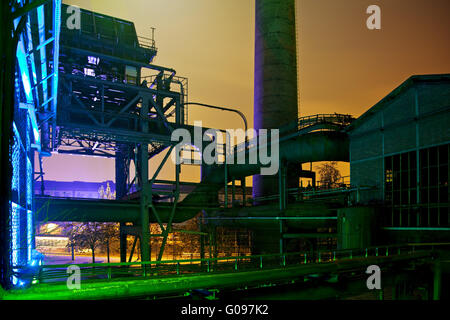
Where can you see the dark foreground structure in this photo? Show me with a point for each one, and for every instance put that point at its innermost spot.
(108, 99)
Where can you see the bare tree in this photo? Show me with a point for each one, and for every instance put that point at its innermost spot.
(85, 235)
(188, 241)
(108, 233)
(329, 174)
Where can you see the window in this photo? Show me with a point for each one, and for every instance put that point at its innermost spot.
(89, 72)
(422, 203)
(130, 75)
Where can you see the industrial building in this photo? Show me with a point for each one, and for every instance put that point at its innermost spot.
(107, 99)
(399, 147)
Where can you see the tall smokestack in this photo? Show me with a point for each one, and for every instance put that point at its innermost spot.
(275, 88)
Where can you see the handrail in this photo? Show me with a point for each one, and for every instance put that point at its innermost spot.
(95, 271)
(337, 119)
(340, 120)
(146, 42)
(117, 264)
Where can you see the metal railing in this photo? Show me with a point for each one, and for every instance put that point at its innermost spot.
(338, 120)
(108, 271)
(146, 43)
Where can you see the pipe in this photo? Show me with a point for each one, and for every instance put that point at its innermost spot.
(315, 146)
(220, 108)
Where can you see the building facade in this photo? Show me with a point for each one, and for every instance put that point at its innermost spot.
(399, 152)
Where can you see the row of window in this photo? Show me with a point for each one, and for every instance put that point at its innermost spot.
(416, 188)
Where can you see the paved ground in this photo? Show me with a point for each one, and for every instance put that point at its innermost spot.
(87, 258)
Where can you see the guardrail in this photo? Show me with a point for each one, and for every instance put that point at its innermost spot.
(146, 43)
(338, 120)
(108, 271)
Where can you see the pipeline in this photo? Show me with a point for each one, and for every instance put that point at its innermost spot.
(313, 146)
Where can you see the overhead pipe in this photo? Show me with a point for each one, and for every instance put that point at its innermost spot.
(315, 146)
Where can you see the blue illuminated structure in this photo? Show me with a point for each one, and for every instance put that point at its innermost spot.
(35, 98)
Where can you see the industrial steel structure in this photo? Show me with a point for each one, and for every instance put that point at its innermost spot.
(95, 91)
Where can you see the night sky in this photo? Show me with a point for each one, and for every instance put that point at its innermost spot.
(342, 66)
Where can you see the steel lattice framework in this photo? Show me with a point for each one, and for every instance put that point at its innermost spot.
(30, 41)
(114, 103)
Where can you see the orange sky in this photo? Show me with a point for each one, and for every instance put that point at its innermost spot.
(343, 66)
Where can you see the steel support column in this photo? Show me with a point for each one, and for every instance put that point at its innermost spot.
(233, 191)
(282, 202)
(8, 45)
(123, 243)
(437, 279)
(244, 192)
(121, 190)
(202, 237)
(225, 190)
(146, 192)
(282, 194)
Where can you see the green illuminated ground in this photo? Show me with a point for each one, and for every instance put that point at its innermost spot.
(178, 285)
